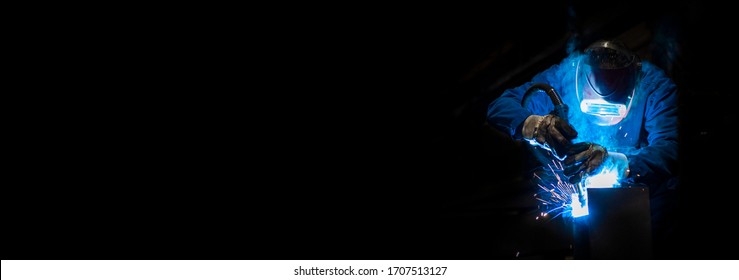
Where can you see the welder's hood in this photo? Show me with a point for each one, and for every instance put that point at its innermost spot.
(608, 74)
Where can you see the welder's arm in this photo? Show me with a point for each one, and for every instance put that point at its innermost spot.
(657, 162)
(507, 114)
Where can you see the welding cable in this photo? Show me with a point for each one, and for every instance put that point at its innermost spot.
(560, 109)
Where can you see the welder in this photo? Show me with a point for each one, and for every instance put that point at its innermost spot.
(622, 115)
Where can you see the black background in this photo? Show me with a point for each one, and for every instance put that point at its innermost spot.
(331, 132)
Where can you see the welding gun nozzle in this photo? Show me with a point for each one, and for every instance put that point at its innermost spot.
(580, 191)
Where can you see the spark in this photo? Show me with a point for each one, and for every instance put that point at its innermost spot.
(546, 147)
(558, 197)
(556, 194)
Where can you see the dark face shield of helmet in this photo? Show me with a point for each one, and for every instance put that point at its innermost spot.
(608, 75)
(612, 74)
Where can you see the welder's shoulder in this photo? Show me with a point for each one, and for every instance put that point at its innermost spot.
(650, 69)
(655, 80)
(652, 73)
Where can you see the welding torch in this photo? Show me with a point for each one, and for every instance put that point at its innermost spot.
(560, 110)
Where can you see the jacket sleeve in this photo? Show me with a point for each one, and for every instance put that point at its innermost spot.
(655, 163)
(507, 114)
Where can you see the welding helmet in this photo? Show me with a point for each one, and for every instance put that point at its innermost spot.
(607, 78)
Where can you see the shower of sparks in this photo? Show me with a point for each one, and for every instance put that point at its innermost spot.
(557, 195)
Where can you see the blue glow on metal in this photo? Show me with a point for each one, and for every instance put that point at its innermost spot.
(559, 197)
(578, 210)
(607, 178)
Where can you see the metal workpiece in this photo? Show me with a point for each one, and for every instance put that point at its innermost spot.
(618, 225)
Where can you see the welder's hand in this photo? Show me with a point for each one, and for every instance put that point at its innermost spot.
(550, 130)
(584, 158)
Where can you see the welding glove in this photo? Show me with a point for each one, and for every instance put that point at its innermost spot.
(584, 159)
(590, 159)
(549, 130)
(619, 163)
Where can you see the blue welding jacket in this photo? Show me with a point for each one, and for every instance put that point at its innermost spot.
(648, 134)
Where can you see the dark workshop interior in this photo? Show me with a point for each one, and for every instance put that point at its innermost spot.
(360, 133)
